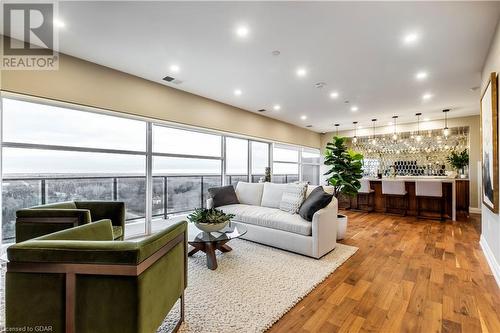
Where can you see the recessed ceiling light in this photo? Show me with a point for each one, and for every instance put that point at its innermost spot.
(422, 75)
(303, 117)
(237, 92)
(354, 108)
(59, 24)
(334, 94)
(242, 31)
(360, 127)
(175, 68)
(427, 96)
(301, 72)
(411, 38)
(277, 107)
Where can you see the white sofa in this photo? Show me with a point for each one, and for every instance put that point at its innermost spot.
(259, 211)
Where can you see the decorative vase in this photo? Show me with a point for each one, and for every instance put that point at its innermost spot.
(211, 227)
(341, 226)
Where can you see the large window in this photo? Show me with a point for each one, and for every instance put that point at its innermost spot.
(310, 160)
(285, 164)
(53, 153)
(185, 164)
(260, 160)
(236, 160)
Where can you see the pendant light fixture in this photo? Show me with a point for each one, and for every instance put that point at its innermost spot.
(355, 138)
(337, 129)
(374, 141)
(418, 138)
(446, 130)
(395, 132)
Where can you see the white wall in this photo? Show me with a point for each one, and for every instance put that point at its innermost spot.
(490, 237)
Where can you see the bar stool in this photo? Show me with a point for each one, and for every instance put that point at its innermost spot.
(395, 189)
(430, 190)
(366, 197)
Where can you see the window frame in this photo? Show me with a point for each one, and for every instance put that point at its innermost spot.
(148, 153)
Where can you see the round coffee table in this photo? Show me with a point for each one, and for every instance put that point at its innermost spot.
(208, 242)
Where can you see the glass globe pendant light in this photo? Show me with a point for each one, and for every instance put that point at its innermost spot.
(446, 130)
(355, 138)
(418, 138)
(395, 132)
(374, 140)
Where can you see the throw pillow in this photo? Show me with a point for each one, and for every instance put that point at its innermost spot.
(271, 197)
(224, 195)
(292, 198)
(317, 200)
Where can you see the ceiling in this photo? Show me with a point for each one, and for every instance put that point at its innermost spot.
(355, 48)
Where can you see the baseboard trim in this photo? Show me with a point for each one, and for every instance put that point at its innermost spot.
(492, 262)
(474, 210)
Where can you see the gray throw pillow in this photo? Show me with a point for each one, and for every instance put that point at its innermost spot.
(317, 200)
(224, 195)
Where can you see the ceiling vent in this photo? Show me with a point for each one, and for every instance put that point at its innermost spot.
(309, 126)
(172, 80)
(262, 110)
(320, 85)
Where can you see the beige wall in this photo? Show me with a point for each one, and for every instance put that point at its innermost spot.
(474, 137)
(490, 222)
(81, 82)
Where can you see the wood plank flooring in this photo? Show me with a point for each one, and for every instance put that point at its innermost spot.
(408, 276)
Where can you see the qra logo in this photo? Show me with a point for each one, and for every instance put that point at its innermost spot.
(29, 40)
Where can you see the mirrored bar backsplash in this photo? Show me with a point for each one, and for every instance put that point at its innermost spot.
(414, 153)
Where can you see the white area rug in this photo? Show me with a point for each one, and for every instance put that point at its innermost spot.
(252, 288)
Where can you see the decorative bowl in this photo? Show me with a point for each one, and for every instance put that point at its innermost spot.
(210, 227)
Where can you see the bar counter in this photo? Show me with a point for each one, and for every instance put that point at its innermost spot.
(455, 192)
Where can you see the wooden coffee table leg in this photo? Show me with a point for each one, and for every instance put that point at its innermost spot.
(197, 247)
(224, 248)
(211, 259)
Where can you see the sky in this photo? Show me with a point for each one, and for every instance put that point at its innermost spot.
(25, 122)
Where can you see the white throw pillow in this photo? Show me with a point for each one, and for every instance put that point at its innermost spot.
(293, 197)
(327, 188)
(271, 197)
(249, 193)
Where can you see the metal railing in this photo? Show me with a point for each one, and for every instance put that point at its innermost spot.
(110, 187)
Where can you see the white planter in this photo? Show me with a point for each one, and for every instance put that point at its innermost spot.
(208, 227)
(341, 226)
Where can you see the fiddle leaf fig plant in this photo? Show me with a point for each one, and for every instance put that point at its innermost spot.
(345, 167)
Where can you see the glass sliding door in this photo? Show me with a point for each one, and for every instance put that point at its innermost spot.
(185, 165)
(260, 160)
(236, 160)
(310, 161)
(285, 164)
(53, 154)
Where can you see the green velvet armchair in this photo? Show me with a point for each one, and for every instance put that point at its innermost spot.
(81, 281)
(42, 220)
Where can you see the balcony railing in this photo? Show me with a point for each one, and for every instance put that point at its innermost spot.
(172, 194)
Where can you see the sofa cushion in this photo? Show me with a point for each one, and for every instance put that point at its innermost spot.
(317, 200)
(270, 218)
(272, 194)
(249, 193)
(293, 197)
(223, 195)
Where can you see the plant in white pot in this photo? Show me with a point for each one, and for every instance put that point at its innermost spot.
(344, 174)
(209, 220)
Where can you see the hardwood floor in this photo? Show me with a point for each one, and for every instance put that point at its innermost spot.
(408, 276)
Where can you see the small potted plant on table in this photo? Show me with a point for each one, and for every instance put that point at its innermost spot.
(344, 174)
(209, 220)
